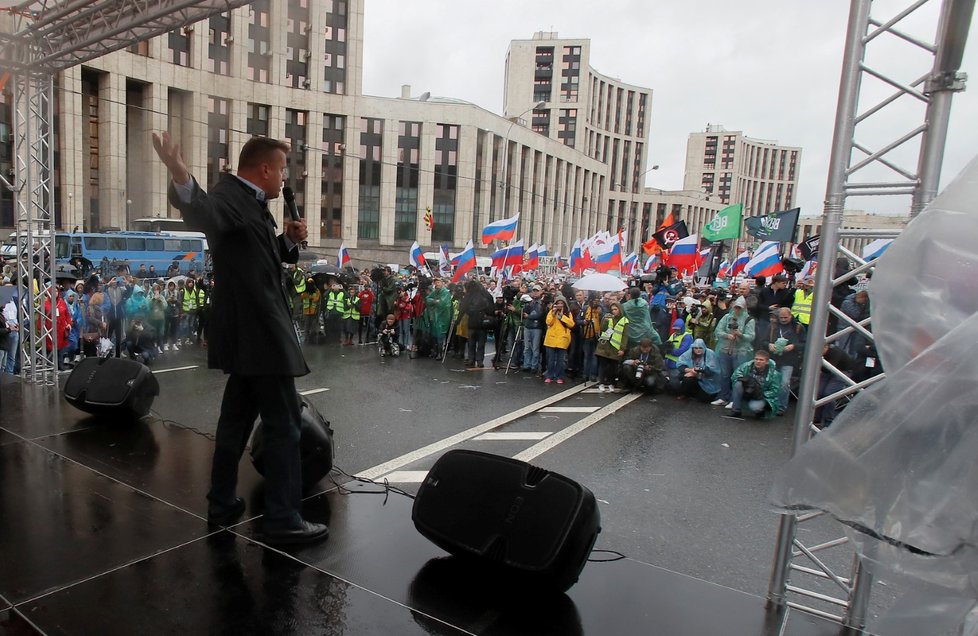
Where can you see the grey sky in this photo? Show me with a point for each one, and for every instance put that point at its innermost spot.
(770, 68)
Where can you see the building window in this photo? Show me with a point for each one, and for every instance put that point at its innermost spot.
(567, 126)
(334, 47)
(540, 121)
(218, 135)
(178, 42)
(570, 71)
(446, 177)
(331, 177)
(140, 48)
(7, 145)
(296, 135)
(297, 44)
(406, 191)
(368, 214)
(259, 42)
(218, 44)
(257, 125)
(642, 99)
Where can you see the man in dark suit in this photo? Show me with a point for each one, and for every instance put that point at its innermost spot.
(250, 333)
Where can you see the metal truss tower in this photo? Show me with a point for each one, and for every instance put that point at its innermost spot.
(48, 36)
(848, 177)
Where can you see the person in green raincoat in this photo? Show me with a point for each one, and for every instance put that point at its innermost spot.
(439, 311)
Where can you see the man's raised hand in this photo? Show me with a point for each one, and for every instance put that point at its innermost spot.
(169, 153)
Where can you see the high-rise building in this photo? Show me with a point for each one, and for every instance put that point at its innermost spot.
(551, 81)
(737, 169)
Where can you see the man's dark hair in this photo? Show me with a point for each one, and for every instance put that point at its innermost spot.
(634, 293)
(259, 150)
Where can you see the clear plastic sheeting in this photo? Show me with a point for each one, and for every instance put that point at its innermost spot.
(899, 466)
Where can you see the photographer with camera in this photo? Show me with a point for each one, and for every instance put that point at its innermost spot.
(698, 373)
(643, 368)
(140, 342)
(735, 341)
(680, 340)
(756, 386)
(785, 341)
(534, 313)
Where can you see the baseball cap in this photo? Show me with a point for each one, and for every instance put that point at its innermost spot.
(536, 288)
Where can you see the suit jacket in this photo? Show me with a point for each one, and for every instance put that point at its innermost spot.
(249, 325)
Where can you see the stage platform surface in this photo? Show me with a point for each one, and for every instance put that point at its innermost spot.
(103, 531)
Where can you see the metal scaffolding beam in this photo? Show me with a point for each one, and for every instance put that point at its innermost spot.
(49, 36)
(936, 90)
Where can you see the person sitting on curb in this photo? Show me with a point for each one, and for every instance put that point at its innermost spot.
(756, 386)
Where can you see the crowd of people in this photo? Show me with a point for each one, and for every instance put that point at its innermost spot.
(738, 348)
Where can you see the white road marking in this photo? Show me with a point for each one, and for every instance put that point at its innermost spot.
(193, 366)
(494, 437)
(448, 442)
(313, 391)
(407, 476)
(570, 409)
(561, 436)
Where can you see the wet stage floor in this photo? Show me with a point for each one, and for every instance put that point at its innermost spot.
(103, 531)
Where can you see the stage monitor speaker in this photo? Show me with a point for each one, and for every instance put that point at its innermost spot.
(534, 527)
(112, 387)
(315, 445)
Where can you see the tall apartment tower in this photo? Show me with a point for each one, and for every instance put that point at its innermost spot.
(598, 115)
(760, 174)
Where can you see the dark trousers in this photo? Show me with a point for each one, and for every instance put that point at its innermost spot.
(690, 387)
(274, 399)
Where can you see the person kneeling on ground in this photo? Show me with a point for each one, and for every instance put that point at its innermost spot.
(643, 368)
(698, 374)
(388, 341)
(140, 342)
(756, 386)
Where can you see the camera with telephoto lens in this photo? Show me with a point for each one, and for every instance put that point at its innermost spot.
(695, 311)
(733, 325)
(639, 372)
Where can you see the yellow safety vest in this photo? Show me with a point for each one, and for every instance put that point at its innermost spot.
(190, 299)
(350, 309)
(299, 281)
(674, 341)
(615, 333)
(802, 307)
(334, 302)
(310, 303)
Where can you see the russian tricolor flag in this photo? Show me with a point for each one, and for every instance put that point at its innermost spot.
(343, 257)
(685, 254)
(499, 257)
(466, 261)
(724, 269)
(630, 263)
(502, 230)
(514, 254)
(609, 256)
(444, 262)
(766, 260)
(575, 256)
(651, 263)
(740, 263)
(532, 258)
(542, 251)
(417, 256)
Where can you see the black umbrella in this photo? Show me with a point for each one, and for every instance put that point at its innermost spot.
(325, 268)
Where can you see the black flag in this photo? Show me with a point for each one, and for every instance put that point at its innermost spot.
(779, 226)
(669, 235)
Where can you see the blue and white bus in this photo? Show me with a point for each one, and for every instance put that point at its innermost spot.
(187, 249)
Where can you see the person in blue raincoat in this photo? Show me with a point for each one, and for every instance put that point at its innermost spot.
(698, 374)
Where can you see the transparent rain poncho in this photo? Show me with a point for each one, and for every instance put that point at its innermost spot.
(899, 466)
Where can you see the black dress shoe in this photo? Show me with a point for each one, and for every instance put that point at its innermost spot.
(226, 516)
(308, 532)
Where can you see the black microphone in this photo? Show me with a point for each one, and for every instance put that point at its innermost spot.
(289, 197)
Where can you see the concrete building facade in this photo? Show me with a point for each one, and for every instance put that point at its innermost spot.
(762, 175)
(365, 169)
(809, 226)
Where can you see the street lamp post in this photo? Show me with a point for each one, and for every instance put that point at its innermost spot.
(504, 182)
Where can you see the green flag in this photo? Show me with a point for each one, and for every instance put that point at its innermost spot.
(725, 225)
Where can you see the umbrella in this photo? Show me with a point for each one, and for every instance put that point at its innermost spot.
(600, 282)
(325, 268)
(176, 279)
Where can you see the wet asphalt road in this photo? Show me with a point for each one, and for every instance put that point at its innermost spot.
(679, 486)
